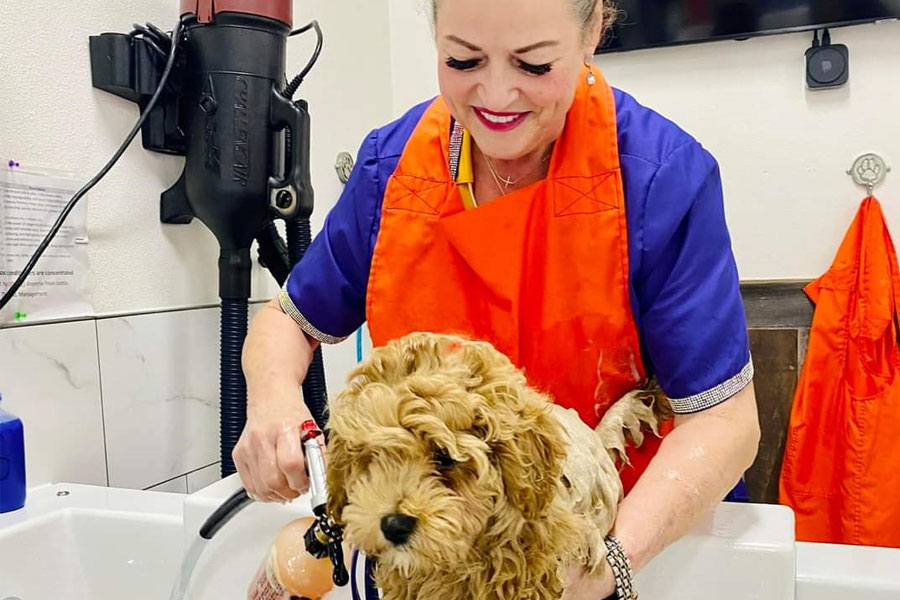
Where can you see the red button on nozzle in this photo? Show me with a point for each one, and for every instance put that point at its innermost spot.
(309, 429)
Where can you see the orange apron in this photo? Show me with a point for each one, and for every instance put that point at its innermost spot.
(841, 471)
(541, 273)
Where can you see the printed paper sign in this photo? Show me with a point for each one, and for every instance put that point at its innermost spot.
(30, 202)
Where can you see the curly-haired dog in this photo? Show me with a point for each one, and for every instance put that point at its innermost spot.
(466, 484)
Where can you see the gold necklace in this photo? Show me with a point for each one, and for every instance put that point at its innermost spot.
(508, 182)
(496, 177)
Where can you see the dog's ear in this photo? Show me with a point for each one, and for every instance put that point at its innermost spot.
(531, 460)
(338, 462)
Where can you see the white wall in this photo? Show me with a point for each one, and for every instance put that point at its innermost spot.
(784, 151)
(413, 58)
(133, 401)
(51, 116)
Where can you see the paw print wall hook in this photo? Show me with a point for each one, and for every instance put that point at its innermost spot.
(869, 170)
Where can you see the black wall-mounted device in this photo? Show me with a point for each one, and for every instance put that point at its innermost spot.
(827, 64)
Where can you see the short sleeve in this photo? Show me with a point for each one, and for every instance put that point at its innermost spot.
(326, 291)
(692, 319)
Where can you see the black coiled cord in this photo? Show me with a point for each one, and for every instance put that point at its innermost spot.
(232, 386)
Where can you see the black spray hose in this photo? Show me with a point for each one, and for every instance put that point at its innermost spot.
(233, 387)
(299, 237)
(315, 393)
(216, 521)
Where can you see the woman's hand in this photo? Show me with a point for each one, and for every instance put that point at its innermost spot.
(583, 586)
(269, 454)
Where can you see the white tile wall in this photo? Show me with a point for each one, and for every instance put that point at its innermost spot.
(176, 486)
(201, 478)
(160, 394)
(139, 394)
(49, 378)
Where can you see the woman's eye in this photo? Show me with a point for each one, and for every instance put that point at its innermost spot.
(443, 459)
(535, 69)
(463, 65)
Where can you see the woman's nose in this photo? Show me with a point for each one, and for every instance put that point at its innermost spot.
(497, 89)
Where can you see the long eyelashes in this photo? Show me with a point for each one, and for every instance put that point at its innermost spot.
(535, 69)
(468, 65)
(462, 65)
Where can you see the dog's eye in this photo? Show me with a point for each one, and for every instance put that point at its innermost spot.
(443, 459)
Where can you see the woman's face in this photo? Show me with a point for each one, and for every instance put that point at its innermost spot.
(508, 69)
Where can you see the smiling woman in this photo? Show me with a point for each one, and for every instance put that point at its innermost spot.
(508, 72)
(535, 207)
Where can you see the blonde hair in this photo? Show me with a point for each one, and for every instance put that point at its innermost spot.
(584, 9)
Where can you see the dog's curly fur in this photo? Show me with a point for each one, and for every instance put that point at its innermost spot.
(509, 491)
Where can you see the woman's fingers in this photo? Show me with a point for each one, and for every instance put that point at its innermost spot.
(289, 452)
(269, 454)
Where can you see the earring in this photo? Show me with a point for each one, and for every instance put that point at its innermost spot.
(591, 80)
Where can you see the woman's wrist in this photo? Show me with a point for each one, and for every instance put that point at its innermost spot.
(620, 565)
(275, 396)
(629, 539)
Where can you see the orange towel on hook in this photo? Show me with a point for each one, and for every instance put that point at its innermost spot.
(841, 471)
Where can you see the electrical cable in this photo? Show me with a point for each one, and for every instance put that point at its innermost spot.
(292, 87)
(151, 37)
(173, 47)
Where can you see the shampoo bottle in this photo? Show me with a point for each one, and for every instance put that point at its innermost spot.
(12, 462)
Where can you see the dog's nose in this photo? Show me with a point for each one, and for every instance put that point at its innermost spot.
(397, 528)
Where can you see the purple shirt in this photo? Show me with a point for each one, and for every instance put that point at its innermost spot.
(683, 279)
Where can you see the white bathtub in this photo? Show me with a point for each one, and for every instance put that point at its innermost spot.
(833, 572)
(74, 542)
(107, 544)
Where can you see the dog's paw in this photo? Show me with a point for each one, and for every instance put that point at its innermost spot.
(629, 415)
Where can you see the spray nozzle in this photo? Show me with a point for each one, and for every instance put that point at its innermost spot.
(324, 537)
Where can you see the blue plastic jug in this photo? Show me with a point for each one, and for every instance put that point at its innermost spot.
(12, 462)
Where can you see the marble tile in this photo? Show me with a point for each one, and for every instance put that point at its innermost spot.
(49, 378)
(201, 478)
(179, 485)
(160, 384)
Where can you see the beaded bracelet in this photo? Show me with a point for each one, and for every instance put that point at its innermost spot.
(621, 568)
